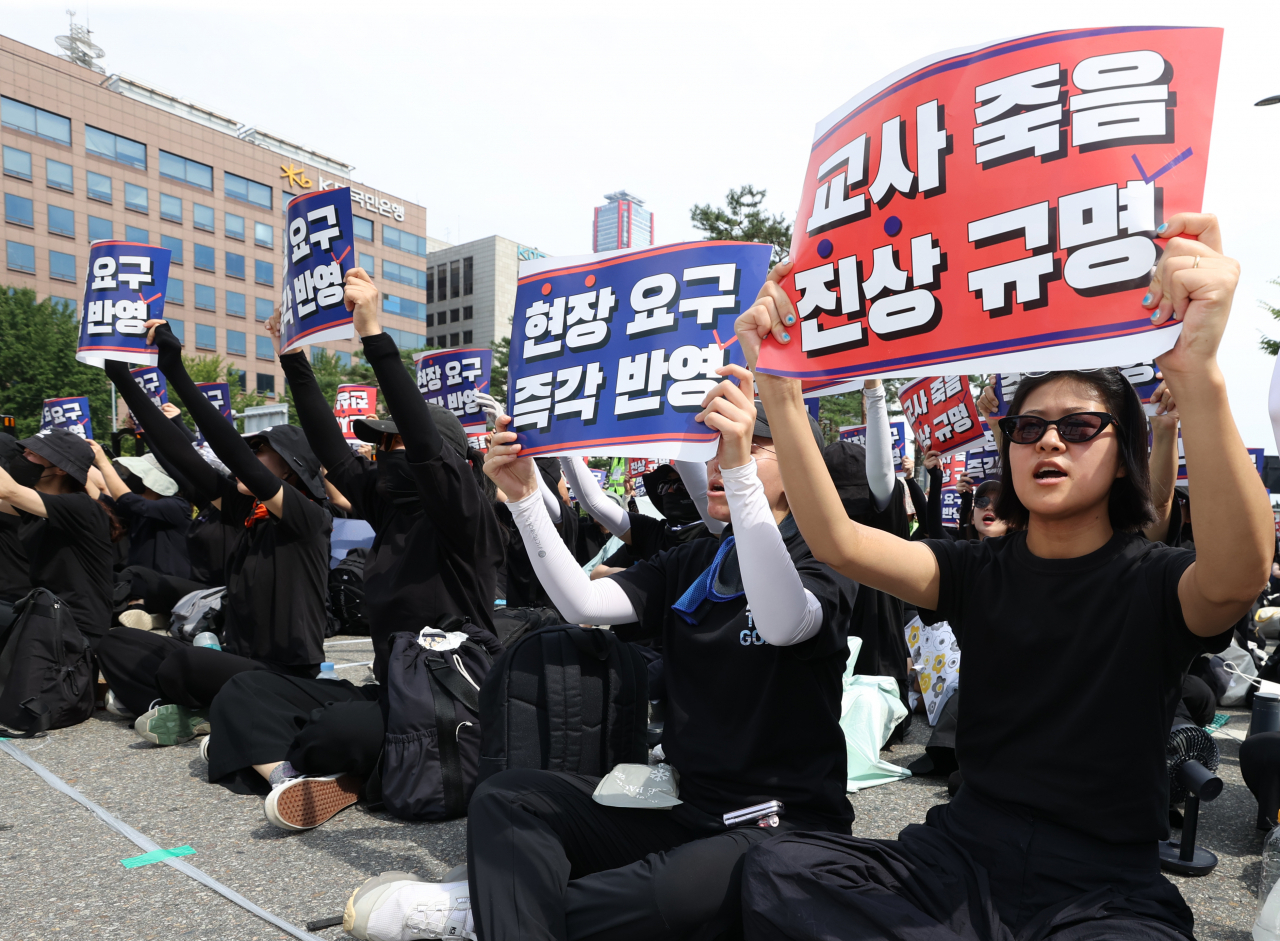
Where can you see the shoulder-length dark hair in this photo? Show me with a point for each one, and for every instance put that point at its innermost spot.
(1129, 506)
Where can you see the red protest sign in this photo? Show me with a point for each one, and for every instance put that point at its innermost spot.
(941, 413)
(996, 208)
(352, 402)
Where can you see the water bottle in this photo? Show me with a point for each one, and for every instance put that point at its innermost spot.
(1266, 927)
(326, 672)
(207, 639)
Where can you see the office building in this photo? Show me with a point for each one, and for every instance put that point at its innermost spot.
(471, 291)
(622, 222)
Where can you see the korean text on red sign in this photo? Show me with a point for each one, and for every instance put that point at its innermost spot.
(351, 402)
(996, 207)
(317, 254)
(124, 288)
(941, 413)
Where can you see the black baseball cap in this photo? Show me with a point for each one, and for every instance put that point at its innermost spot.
(63, 449)
(372, 429)
(762, 429)
(290, 443)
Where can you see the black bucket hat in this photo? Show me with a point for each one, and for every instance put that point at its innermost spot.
(372, 429)
(291, 444)
(847, 464)
(63, 449)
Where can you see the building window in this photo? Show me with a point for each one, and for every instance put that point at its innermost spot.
(67, 304)
(431, 285)
(442, 282)
(62, 221)
(206, 297)
(19, 210)
(58, 175)
(247, 191)
(466, 277)
(406, 340)
(174, 246)
(177, 327)
(455, 279)
(170, 208)
(453, 315)
(404, 307)
(134, 234)
(17, 163)
(264, 272)
(136, 198)
(240, 375)
(405, 241)
(263, 308)
(113, 147)
(174, 294)
(264, 348)
(37, 121)
(206, 337)
(62, 266)
(264, 235)
(367, 263)
(202, 217)
(466, 336)
(453, 339)
(99, 186)
(235, 265)
(468, 313)
(100, 229)
(363, 227)
(235, 304)
(266, 381)
(403, 274)
(203, 255)
(235, 342)
(178, 168)
(20, 257)
(431, 320)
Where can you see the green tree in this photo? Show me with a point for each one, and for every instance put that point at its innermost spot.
(743, 220)
(1269, 346)
(38, 361)
(498, 374)
(216, 369)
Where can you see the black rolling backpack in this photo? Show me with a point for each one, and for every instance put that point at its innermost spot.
(564, 698)
(46, 668)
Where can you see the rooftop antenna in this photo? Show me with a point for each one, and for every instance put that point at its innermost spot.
(80, 49)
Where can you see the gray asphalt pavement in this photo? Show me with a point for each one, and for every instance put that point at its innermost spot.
(62, 878)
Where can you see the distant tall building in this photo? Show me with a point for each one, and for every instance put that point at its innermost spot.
(622, 222)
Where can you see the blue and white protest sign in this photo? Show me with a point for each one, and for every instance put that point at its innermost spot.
(70, 414)
(982, 460)
(317, 255)
(151, 381)
(1142, 376)
(451, 379)
(219, 395)
(125, 288)
(898, 429)
(611, 354)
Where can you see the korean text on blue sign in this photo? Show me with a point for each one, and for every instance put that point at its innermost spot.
(151, 381)
(1142, 376)
(612, 354)
(319, 242)
(125, 288)
(898, 429)
(982, 460)
(451, 379)
(219, 395)
(70, 414)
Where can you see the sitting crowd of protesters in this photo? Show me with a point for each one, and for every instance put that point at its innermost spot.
(742, 582)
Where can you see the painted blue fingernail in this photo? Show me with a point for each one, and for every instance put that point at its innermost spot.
(1161, 227)
(786, 338)
(1155, 316)
(1147, 299)
(790, 319)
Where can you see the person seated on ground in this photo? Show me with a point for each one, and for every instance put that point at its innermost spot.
(1055, 828)
(15, 569)
(308, 743)
(277, 574)
(754, 641)
(65, 533)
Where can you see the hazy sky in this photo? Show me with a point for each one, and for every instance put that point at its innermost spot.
(515, 119)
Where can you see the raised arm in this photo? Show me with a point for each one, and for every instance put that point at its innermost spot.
(1163, 461)
(587, 489)
(116, 487)
(1235, 532)
(875, 412)
(694, 476)
(314, 414)
(907, 570)
(933, 508)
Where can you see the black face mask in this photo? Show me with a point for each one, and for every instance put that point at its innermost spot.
(678, 507)
(395, 482)
(26, 473)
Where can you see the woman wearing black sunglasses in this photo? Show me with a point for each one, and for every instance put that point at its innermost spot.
(1055, 829)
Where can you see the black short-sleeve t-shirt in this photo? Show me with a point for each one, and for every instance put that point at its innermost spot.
(70, 553)
(748, 722)
(649, 536)
(1054, 651)
(15, 570)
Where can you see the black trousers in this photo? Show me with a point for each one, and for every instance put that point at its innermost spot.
(1260, 767)
(318, 726)
(141, 667)
(159, 592)
(972, 871)
(545, 861)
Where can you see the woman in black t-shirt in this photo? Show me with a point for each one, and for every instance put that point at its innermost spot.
(1056, 824)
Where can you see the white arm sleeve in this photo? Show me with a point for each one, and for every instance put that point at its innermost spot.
(587, 490)
(1273, 402)
(550, 499)
(694, 476)
(879, 446)
(579, 599)
(784, 611)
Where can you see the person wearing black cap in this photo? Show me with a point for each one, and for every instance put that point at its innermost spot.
(277, 575)
(754, 638)
(435, 553)
(15, 570)
(65, 533)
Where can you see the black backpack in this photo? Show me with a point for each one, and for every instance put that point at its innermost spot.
(346, 594)
(432, 745)
(564, 698)
(510, 624)
(46, 668)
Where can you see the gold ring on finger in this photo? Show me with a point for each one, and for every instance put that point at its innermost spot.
(1196, 263)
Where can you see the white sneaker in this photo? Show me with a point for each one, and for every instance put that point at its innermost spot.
(397, 906)
(204, 748)
(116, 707)
(305, 802)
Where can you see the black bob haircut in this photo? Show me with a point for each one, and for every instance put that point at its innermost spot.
(1129, 506)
